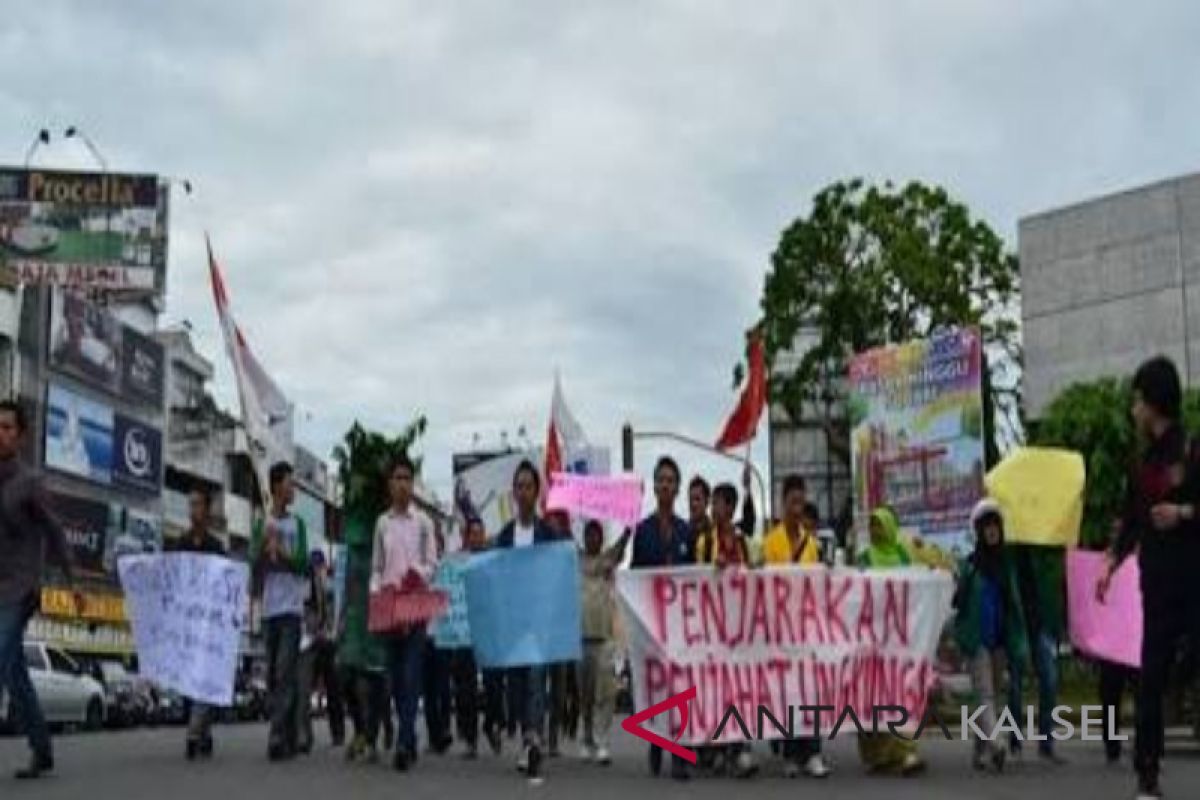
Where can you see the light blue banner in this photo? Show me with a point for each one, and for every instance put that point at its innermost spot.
(523, 606)
(453, 630)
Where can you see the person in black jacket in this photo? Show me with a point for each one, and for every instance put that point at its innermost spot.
(529, 682)
(1160, 521)
(199, 539)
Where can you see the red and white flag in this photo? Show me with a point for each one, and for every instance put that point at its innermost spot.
(564, 439)
(266, 412)
(742, 423)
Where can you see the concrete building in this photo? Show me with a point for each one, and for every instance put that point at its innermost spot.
(1107, 283)
(801, 447)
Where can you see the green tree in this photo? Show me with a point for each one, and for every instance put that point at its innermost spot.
(872, 265)
(363, 458)
(1093, 419)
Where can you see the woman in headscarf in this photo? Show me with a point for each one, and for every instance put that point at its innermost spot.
(882, 752)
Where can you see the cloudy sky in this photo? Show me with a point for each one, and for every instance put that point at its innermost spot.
(429, 206)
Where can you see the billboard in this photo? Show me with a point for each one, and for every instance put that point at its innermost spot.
(89, 343)
(142, 368)
(79, 435)
(86, 524)
(84, 229)
(916, 412)
(137, 456)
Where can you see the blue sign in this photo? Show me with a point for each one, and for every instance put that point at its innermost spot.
(452, 631)
(138, 457)
(524, 606)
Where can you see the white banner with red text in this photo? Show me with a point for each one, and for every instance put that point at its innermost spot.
(782, 641)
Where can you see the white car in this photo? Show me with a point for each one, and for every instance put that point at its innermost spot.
(67, 695)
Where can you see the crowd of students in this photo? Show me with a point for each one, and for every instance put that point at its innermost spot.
(1009, 611)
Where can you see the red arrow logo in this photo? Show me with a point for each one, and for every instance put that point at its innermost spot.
(634, 724)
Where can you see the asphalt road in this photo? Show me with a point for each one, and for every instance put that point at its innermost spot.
(150, 764)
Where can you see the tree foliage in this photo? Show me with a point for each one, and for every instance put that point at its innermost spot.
(363, 459)
(1093, 419)
(872, 265)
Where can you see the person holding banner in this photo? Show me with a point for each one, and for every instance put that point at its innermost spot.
(464, 673)
(663, 540)
(1160, 522)
(279, 553)
(405, 555)
(990, 624)
(596, 679)
(883, 752)
(793, 542)
(317, 657)
(529, 682)
(199, 539)
(28, 533)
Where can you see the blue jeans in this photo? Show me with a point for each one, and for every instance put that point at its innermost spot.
(1043, 648)
(14, 674)
(406, 654)
(530, 688)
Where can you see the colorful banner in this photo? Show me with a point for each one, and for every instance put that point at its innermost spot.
(188, 612)
(96, 607)
(782, 638)
(453, 630)
(1041, 492)
(1111, 630)
(79, 435)
(523, 606)
(916, 413)
(616, 499)
(84, 229)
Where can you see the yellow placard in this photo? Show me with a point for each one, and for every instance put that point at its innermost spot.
(1041, 493)
(96, 607)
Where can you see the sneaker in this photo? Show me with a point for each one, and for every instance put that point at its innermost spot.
(911, 765)
(603, 757)
(1148, 786)
(816, 767)
(791, 770)
(535, 766)
(586, 753)
(400, 761)
(523, 760)
(980, 762)
(38, 766)
(746, 766)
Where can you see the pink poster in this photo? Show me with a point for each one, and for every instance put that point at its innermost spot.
(1112, 630)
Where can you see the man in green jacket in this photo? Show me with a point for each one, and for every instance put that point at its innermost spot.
(279, 552)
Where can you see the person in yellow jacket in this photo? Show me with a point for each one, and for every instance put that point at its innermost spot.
(793, 542)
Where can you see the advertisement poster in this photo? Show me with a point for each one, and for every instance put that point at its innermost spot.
(85, 523)
(97, 230)
(137, 460)
(85, 340)
(142, 368)
(916, 413)
(79, 435)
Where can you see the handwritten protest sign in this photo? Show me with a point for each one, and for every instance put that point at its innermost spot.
(1041, 491)
(523, 606)
(453, 629)
(782, 638)
(1111, 630)
(188, 612)
(617, 498)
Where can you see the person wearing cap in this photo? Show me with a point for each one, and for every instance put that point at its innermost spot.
(318, 657)
(990, 625)
(1159, 521)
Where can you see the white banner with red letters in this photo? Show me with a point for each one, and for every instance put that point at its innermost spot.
(779, 640)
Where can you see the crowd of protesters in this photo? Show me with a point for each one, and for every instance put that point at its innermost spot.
(1009, 620)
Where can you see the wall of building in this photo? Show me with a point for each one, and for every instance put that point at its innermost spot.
(1107, 283)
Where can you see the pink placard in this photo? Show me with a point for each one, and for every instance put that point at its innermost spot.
(1112, 630)
(617, 498)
